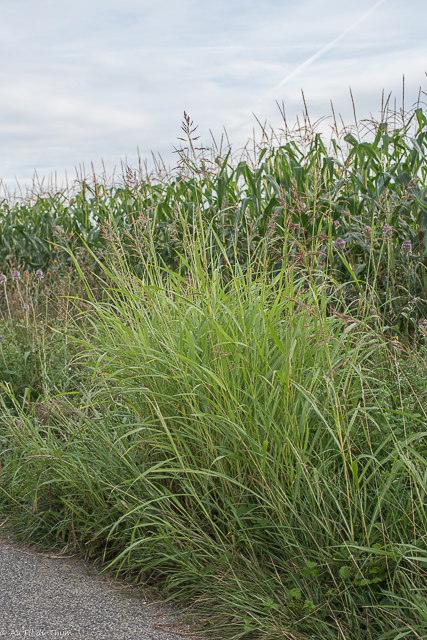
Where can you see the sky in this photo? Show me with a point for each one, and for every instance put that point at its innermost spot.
(94, 81)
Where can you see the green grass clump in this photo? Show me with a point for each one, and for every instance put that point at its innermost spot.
(239, 443)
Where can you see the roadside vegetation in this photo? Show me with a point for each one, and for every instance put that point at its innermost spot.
(214, 382)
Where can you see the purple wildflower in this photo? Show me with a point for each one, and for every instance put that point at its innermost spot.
(25, 306)
(16, 275)
(340, 243)
(423, 322)
(3, 278)
(1, 337)
(39, 274)
(387, 231)
(407, 247)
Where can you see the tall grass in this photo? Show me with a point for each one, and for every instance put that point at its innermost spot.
(242, 444)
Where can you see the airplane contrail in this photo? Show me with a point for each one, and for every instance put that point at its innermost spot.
(323, 50)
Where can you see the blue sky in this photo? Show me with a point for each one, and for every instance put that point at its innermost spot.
(93, 80)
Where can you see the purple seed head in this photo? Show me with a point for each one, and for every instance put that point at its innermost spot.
(407, 247)
(387, 231)
(16, 275)
(340, 244)
(3, 278)
(39, 274)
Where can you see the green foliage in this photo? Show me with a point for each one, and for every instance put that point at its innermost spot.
(36, 314)
(240, 446)
(237, 429)
(353, 210)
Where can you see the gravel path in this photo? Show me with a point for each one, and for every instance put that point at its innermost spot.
(46, 596)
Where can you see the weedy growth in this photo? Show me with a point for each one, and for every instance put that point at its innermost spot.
(244, 435)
